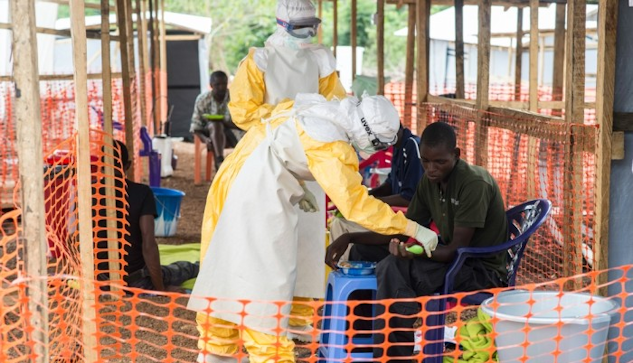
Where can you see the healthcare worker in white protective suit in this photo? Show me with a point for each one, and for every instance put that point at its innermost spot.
(289, 64)
(253, 256)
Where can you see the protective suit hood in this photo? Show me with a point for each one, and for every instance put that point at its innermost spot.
(370, 122)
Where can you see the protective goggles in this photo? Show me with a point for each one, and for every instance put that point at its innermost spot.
(377, 144)
(301, 28)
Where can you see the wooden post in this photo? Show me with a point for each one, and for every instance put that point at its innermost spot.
(532, 151)
(607, 28)
(353, 37)
(460, 91)
(127, 69)
(320, 14)
(483, 78)
(380, 45)
(574, 113)
(141, 32)
(163, 66)
(541, 59)
(29, 145)
(534, 46)
(518, 62)
(334, 26)
(409, 69)
(423, 15)
(559, 54)
(84, 187)
(153, 35)
(106, 76)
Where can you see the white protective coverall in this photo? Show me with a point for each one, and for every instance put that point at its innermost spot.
(253, 256)
(285, 66)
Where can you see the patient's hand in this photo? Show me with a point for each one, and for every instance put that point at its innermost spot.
(335, 250)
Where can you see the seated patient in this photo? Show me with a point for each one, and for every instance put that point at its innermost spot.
(466, 204)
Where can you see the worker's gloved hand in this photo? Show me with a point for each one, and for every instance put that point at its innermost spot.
(427, 238)
(308, 203)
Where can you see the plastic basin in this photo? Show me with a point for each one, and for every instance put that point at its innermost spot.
(168, 210)
(550, 326)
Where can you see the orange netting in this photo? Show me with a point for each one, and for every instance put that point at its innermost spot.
(529, 157)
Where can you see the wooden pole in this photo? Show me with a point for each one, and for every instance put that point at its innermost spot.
(106, 72)
(320, 14)
(141, 33)
(353, 37)
(460, 91)
(84, 187)
(574, 113)
(518, 61)
(409, 69)
(380, 45)
(152, 62)
(607, 28)
(483, 77)
(127, 69)
(29, 147)
(423, 15)
(334, 26)
(541, 59)
(558, 77)
(534, 46)
(532, 162)
(156, 78)
(163, 65)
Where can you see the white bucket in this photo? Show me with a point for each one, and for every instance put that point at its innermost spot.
(550, 326)
(163, 145)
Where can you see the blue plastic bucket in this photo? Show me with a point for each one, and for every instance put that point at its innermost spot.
(168, 210)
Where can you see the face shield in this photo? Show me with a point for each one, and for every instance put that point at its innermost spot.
(301, 28)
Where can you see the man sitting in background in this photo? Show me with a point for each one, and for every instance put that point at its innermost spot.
(142, 260)
(211, 120)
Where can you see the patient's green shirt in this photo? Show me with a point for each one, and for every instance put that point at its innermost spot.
(472, 199)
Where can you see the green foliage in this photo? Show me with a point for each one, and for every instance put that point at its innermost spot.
(237, 26)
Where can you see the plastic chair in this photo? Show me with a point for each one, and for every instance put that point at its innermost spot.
(201, 147)
(334, 336)
(523, 221)
(369, 167)
(154, 158)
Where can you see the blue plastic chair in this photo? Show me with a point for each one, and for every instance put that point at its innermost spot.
(523, 221)
(154, 158)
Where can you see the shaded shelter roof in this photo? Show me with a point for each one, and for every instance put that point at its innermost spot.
(503, 23)
(190, 23)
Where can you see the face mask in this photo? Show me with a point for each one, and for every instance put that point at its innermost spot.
(364, 153)
(296, 43)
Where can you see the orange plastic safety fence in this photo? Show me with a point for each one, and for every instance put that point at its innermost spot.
(528, 158)
(534, 323)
